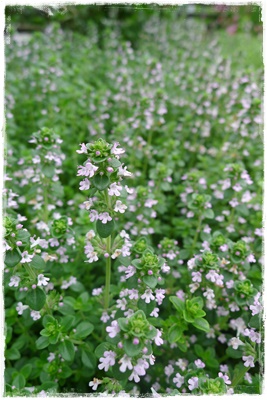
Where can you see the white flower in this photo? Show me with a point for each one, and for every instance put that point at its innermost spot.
(178, 380)
(20, 308)
(249, 361)
(34, 242)
(97, 291)
(165, 268)
(191, 263)
(123, 171)
(114, 189)
(235, 342)
(83, 149)
(105, 317)
(157, 339)
(116, 150)
(116, 254)
(35, 315)
(85, 184)
(90, 234)
(148, 296)
(93, 215)
(141, 366)
(134, 376)
(26, 257)
(14, 281)
(196, 276)
(113, 329)
(199, 364)
(94, 384)
(42, 280)
(155, 313)
(168, 370)
(88, 204)
(104, 217)
(51, 357)
(193, 383)
(160, 295)
(225, 378)
(108, 360)
(126, 363)
(87, 170)
(92, 256)
(119, 207)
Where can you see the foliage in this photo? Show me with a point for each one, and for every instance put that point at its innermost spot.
(133, 261)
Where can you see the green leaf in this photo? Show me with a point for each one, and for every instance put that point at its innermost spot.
(38, 263)
(255, 321)
(146, 307)
(67, 322)
(118, 375)
(12, 258)
(178, 303)
(184, 254)
(19, 381)
(239, 373)
(42, 342)
(101, 348)
(105, 230)
(12, 354)
(67, 350)
(150, 281)
(232, 353)
(89, 359)
(249, 389)
(36, 299)
(83, 330)
(131, 349)
(188, 317)
(23, 236)
(48, 385)
(208, 213)
(152, 332)
(201, 324)
(123, 324)
(101, 182)
(26, 370)
(48, 171)
(174, 333)
(48, 319)
(114, 163)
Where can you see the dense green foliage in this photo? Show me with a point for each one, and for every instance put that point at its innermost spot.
(189, 117)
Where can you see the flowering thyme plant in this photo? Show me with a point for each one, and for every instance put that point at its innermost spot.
(133, 264)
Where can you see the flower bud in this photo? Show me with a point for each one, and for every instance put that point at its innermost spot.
(34, 286)
(150, 272)
(136, 340)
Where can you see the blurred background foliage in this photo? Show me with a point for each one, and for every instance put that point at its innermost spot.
(237, 28)
(246, 18)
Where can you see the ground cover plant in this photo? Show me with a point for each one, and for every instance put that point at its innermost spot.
(133, 220)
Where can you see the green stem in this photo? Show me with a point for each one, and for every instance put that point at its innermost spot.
(108, 260)
(240, 375)
(45, 210)
(108, 274)
(197, 232)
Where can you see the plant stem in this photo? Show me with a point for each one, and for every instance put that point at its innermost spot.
(108, 260)
(240, 375)
(197, 232)
(108, 274)
(45, 210)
